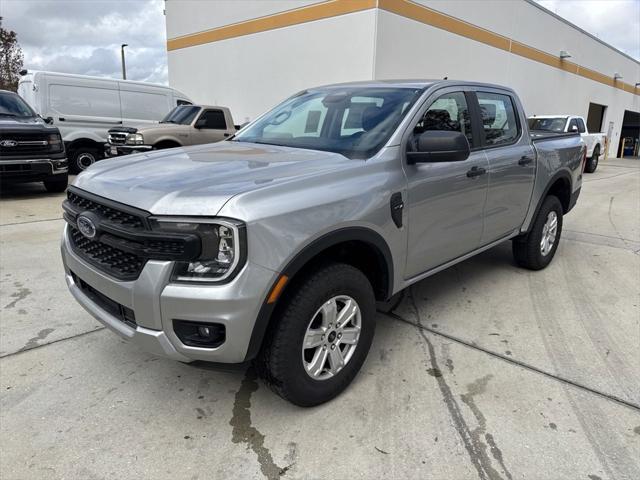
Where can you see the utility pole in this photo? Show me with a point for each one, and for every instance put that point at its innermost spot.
(124, 68)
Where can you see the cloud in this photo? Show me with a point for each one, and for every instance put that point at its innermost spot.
(616, 22)
(84, 37)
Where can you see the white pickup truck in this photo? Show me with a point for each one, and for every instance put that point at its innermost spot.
(595, 142)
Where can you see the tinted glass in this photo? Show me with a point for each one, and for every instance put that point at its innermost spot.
(11, 105)
(498, 118)
(181, 115)
(573, 125)
(449, 113)
(353, 121)
(581, 128)
(554, 124)
(212, 119)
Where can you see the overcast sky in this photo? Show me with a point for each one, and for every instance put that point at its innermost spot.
(84, 36)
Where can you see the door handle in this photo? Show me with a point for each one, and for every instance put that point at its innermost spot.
(524, 160)
(227, 135)
(62, 119)
(476, 172)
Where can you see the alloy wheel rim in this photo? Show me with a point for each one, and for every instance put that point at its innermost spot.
(85, 160)
(331, 337)
(549, 233)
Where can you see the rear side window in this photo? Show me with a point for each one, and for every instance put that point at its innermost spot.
(573, 125)
(183, 102)
(498, 118)
(212, 119)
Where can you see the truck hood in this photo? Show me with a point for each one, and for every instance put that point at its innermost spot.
(200, 180)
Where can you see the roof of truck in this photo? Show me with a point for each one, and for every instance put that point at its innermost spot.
(412, 83)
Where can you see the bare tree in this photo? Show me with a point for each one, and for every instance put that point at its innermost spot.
(11, 59)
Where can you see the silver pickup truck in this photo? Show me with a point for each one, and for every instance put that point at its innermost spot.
(275, 245)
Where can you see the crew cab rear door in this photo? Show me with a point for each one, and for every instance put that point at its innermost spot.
(511, 159)
(445, 199)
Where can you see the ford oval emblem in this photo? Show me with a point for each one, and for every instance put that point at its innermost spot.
(86, 226)
(8, 143)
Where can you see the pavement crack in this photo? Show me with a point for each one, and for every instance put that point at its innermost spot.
(513, 361)
(245, 432)
(28, 348)
(477, 454)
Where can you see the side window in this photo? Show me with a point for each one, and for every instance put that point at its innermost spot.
(212, 119)
(573, 125)
(449, 112)
(581, 128)
(498, 118)
(183, 102)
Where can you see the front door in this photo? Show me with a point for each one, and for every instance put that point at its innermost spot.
(446, 199)
(512, 165)
(210, 127)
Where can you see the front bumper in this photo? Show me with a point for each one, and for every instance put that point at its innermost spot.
(156, 302)
(17, 170)
(111, 150)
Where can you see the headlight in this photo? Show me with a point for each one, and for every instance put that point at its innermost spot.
(55, 142)
(134, 139)
(223, 248)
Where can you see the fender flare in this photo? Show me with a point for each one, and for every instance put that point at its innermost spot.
(563, 174)
(303, 257)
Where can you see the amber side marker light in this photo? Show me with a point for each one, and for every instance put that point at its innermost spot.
(277, 289)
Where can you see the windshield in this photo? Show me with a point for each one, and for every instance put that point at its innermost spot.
(182, 115)
(355, 122)
(555, 124)
(11, 105)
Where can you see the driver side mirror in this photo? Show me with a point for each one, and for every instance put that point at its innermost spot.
(440, 146)
(47, 120)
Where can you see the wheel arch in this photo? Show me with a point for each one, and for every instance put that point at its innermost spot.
(560, 186)
(358, 246)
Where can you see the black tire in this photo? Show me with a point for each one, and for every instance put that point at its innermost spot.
(57, 185)
(527, 249)
(592, 163)
(82, 157)
(280, 362)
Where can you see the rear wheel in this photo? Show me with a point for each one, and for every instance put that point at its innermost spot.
(322, 337)
(536, 249)
(57, 184)
(592, 163)
(82, 158)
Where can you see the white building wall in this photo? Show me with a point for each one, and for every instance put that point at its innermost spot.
(252, 72)
(543, 89)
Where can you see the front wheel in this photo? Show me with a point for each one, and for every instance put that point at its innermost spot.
(536, 249)
(323, 335)
(82, 158)
(592, 163)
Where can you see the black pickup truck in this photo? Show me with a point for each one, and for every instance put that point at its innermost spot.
(30, 150)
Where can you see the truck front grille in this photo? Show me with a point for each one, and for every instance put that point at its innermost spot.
(113, 215)
(117, 138)
(118, 263)
(24, 143)
(123, 240)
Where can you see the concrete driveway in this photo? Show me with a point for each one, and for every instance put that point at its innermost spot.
(484, 371)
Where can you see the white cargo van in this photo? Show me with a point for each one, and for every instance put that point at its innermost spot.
(84, 108)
